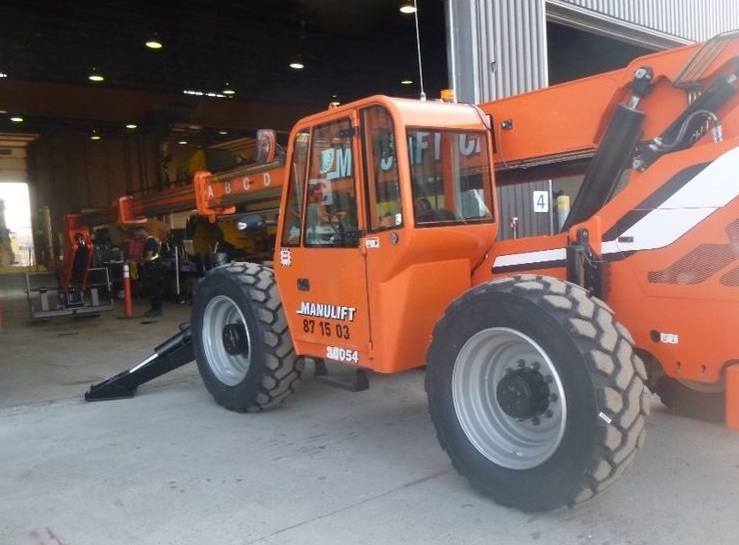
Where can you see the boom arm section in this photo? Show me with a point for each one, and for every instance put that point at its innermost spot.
(218, 194)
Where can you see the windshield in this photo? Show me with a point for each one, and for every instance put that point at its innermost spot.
(450, 176)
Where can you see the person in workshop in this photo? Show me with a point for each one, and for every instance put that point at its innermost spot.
(152, 270)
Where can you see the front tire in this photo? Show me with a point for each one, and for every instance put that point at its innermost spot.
(240, 338)
(535, 392)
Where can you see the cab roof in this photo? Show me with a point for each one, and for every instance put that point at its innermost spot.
(410, 112)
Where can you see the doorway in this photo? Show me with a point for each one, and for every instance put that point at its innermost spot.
(16, 233)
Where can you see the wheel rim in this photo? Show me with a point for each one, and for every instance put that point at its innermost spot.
(220, 314)
(514, 441)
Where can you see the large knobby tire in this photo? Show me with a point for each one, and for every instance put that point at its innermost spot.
(535, 392)
(240, 338)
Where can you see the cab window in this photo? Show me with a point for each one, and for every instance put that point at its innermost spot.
(331, 199)
(296, 187)
(450, 177)
(381, 170)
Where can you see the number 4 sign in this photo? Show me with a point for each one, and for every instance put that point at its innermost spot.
(541, 201)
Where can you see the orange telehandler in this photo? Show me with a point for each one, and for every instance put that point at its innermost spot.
(537, 350)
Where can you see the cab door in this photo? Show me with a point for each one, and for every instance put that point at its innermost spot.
(320, 264)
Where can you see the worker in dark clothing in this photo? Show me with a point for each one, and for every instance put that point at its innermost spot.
(152, 271)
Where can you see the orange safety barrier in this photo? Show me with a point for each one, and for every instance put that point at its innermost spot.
(127, 299)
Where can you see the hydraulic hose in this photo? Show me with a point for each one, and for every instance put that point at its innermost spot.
(718, 94)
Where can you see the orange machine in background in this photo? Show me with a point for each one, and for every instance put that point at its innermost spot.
(83, 285)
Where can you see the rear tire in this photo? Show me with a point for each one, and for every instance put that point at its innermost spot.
(692, 400)
(240, 338)
(535, 392)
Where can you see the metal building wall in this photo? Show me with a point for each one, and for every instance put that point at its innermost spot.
(497, 48)
(516, 202)
(686, 20)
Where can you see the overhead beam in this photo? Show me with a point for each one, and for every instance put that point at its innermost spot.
(111, 105)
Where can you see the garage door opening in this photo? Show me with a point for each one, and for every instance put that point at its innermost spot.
(16, 234)
(575, 53)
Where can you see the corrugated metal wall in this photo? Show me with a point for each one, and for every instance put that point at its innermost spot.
(517, 201)
(695, 20)
(73, 173)
(497, 48)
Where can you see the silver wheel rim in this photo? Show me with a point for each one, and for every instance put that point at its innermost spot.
(230, 369)
(507, 441)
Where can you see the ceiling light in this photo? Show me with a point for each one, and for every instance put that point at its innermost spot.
(213, 94)
(406, 81)
(131, 126)
(182, 142)
(3, 75)
(95, 137)
(154, 42)
(409, 6)
(296, 63)
(16, 119)
(95, 76)
(222, 132)
(228, 90)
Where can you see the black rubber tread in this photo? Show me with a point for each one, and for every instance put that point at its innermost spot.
(604, 381)
(275, 370)
(691, 403)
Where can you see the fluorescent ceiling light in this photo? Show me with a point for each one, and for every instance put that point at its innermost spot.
(16, 119)
(204, 93)
(95, 76)
(154, 43)
(408, 7)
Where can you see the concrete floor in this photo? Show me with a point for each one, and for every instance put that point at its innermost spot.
(171, 467)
